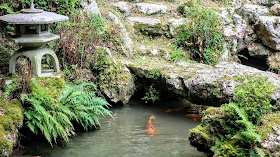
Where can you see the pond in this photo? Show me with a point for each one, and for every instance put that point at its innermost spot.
(125, 135)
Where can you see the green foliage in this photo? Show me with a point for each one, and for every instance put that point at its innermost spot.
(234, 125)
(252, 100)
(80, 37)
(177, 55)
(64, 7)
(155, 73)
(53, 118)
(86, 107)
(202, 36)
(46, 114)
(151, 95)
(6, 8)
(254, 95)
(244, 142)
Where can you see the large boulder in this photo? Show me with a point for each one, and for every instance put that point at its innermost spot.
(123, 7)
(114, 79)
(125, 40)
(257, 49)
(200, 83)
(275, 9)
(150, 9)
(252, 12)
(249, 37)
(268, 30)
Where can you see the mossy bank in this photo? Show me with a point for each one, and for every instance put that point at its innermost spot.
(11, 119)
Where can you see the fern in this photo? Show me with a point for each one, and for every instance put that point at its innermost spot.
(84, 104)
(249, 134)
(53, 118)
(46, 115)
(49, 120)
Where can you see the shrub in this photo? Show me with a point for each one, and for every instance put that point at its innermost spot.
(84, 104)
(202, 36)
(79, 38)
(64, 7)
(233, 126)
(46, 114)
(254, 95)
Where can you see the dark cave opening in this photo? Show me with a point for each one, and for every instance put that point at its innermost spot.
(258, 62)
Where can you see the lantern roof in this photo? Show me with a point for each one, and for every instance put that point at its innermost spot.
(32, 16)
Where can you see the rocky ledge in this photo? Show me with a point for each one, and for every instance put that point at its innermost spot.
(200, 83)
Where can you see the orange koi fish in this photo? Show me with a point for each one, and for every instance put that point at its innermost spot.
(150, 129)
(177, 109)
(195, 117)
(185, 108)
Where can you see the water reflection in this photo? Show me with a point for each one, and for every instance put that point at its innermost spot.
(124, 136)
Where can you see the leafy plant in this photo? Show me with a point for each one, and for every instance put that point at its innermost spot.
(64, 7)
(47, 115)
(254, 94)
(232, 129)
(80, 37)
(176, 55)
(151, 95)
(202, 36)
(84, 104)
(246, 137)
(53, 118)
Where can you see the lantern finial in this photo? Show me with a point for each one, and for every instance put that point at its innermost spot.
(32, 4)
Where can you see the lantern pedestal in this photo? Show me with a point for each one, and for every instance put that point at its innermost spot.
(35, 55)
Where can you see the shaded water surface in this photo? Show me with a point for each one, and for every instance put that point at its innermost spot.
(124, 136)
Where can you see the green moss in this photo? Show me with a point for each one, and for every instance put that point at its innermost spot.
(147, 29)
(52, 86)
(111, 74)
(230, 148)
(269, 121)
(11, 117)
(201, 138)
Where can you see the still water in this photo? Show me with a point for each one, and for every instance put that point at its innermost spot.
(124, 136)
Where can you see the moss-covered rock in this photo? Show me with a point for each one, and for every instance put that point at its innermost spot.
(147, 29)
(203, 136)
(270, 131)
(215, 125)
(11, 118)
(147, 26)
(52, 85)
(113, 77)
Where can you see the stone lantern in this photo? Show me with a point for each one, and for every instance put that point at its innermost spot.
(32, 32)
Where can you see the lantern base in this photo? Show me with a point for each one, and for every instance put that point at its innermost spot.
(35, 55)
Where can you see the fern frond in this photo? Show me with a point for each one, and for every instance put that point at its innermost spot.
(259, 151)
